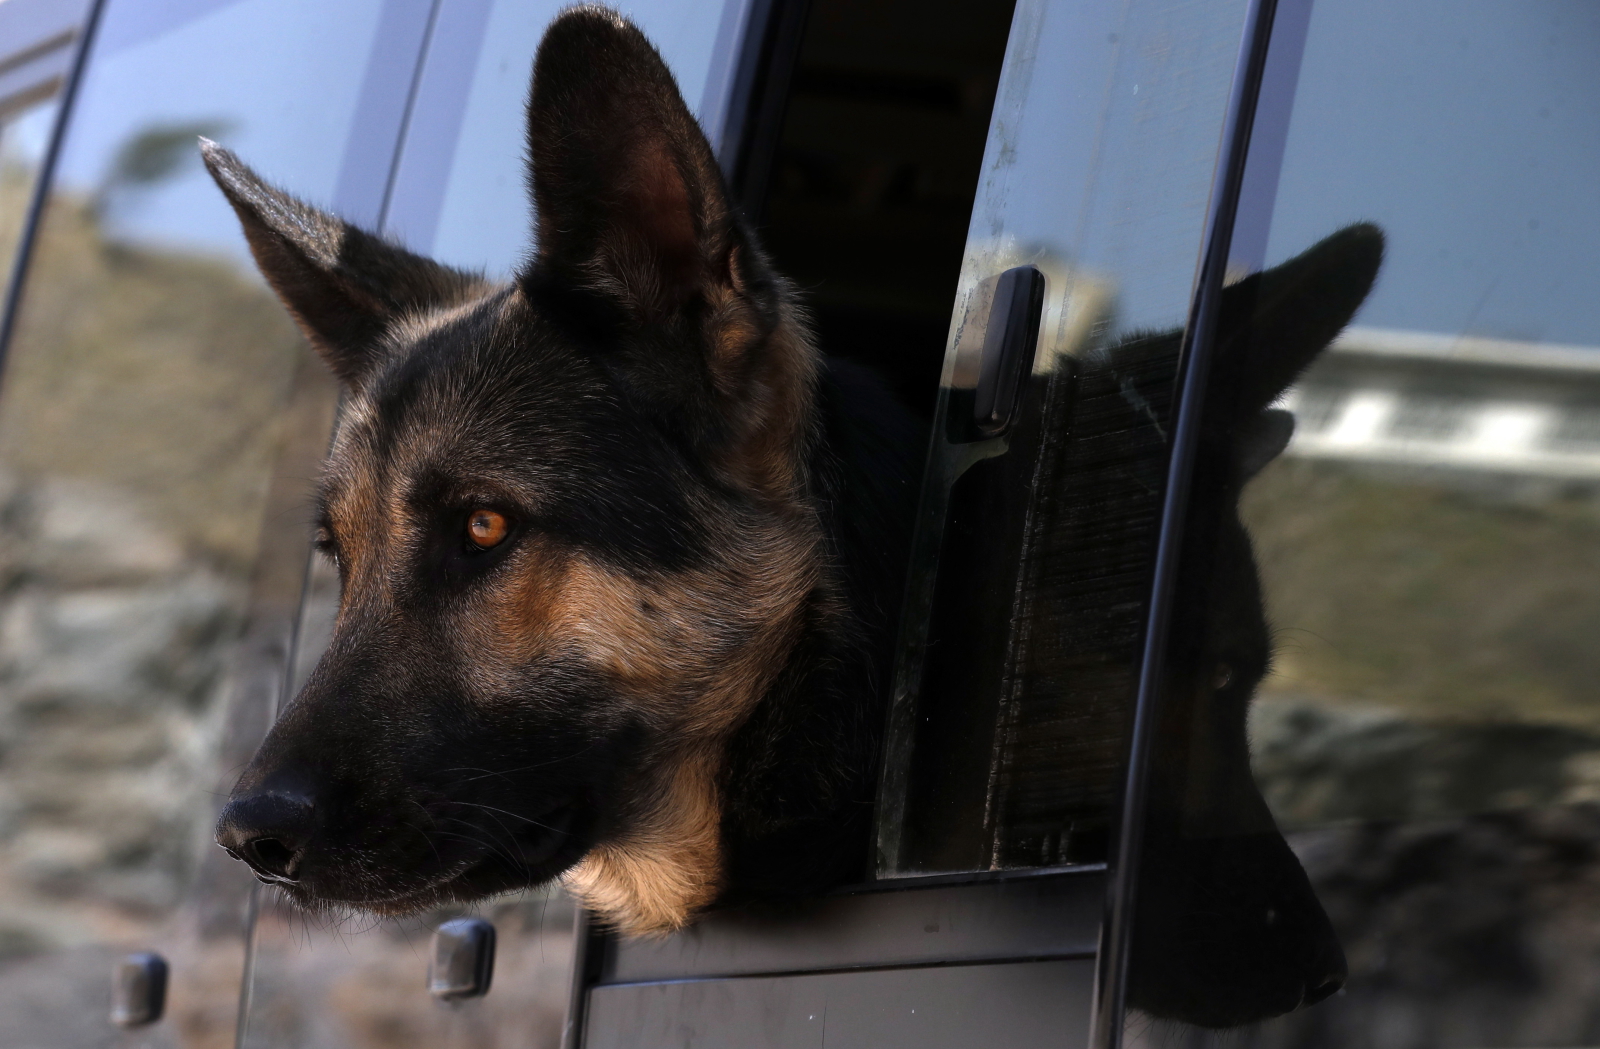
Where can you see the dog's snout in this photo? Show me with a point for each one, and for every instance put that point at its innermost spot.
(269, 832)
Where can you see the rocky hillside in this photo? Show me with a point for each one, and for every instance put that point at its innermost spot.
(1434, 634)
(142, 418)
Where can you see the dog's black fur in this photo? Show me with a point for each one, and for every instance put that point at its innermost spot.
(664, 684)
(1228, 929)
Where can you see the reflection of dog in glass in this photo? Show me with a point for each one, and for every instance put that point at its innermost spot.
(620, 551)
(1228, 929)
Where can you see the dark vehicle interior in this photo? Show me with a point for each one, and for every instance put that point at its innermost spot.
(861, 165)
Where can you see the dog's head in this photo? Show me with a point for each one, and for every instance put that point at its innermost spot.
(568, 514)
(1229, 929)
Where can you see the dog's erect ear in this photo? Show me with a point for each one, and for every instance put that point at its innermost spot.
(343, 285)
(631, 209)
(1274, 323)
(628, 197)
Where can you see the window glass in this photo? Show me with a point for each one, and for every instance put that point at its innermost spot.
(24, 136)
(1030, 567)
(1428, 542)
(159, 420)
(471, 210)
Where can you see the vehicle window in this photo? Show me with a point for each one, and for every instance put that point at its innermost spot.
(159, 419)
(1427, 731)
(460, 191)
(1030, 568)
(867, 197)
(24, 135)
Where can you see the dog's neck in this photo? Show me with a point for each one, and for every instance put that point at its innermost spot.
(805, 761)
(803, 748)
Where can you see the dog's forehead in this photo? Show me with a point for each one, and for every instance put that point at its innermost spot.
(483, 385)
(494, 401)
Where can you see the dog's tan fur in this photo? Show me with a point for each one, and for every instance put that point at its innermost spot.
(692, 652)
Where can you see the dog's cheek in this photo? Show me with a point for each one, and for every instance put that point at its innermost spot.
(548, 606)
(505, 624)
(682, 653)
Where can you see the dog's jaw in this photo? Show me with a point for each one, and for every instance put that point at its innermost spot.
(667, 866)
(666, 861)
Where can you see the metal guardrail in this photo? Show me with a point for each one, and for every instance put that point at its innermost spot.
(1429, 400)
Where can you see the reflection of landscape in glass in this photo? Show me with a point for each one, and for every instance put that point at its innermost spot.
(1430, 543)
(142, 419)
(361, 984)
(22, 141)
(146, 412)
(1430, 734)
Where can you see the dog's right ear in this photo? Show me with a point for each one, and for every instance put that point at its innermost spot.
(633, 217)
(343, 286)
(1275, 323)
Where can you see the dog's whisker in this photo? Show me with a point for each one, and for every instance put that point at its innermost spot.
(504, 812)
(425, 835)
(509, 854)
(490, 773)
(511, 859)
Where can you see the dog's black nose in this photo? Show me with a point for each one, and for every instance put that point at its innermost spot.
(269, 832)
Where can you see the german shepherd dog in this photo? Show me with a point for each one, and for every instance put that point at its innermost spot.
(620, 551)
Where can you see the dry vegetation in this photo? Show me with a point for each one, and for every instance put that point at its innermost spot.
(1429, 597)
(141, 418)
(159, 373)
(1435, 653)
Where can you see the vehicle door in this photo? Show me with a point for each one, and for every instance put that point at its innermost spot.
(1239, 692)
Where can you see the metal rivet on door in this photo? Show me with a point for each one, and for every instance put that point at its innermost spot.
(138, 990)
(462, 961)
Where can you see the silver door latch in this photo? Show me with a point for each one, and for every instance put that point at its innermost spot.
(138, 989)
(461, 963)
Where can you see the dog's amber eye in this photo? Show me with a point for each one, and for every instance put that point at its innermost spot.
(486, 528)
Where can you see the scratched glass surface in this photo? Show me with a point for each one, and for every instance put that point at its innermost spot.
(1009, 706)
(1428, 737)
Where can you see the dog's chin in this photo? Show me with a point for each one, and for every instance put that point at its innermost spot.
(491, 873)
